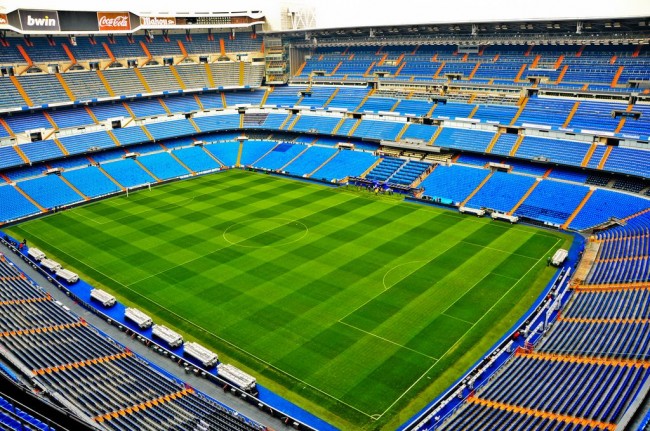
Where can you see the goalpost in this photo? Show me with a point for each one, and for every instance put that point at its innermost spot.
(136, 187)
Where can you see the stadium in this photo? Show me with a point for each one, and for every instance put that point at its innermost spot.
(272, 217)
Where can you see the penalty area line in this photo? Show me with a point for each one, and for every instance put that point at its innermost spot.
(471, 328)
(387, 340)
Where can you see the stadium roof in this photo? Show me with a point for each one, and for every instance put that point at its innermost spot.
(344, 13)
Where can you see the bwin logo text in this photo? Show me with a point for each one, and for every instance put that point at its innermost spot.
(41, 22)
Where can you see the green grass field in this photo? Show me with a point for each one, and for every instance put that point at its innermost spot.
(359, 308)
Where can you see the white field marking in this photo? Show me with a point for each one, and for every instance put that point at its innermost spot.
(229, 243)
(498, 249)
(456, 318)
(268, 364)
(387, 340)
(470, 289)
(383, 280)
(304, 234)
(385, 290)
(472, 327)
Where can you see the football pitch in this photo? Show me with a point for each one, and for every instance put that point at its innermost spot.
(359, 308)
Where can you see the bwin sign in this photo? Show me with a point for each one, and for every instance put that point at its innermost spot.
(35, 20)
(46, 21)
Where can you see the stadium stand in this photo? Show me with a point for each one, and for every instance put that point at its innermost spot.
(90, 181)
(50, 191)
(454, 183)
(15, 204)
(128, 173)
(196, 159)
(308, 161)
(16, 418)
(570, 123)
(345, 163)
(163, 166)
(552, 202)
(501, 192)
(585, 371)
(116, 389)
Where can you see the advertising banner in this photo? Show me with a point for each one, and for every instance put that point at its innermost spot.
(113, 21)
(154, 21)
(3, 19)
(39, 20)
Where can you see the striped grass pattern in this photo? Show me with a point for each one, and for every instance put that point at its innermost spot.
(346, 303)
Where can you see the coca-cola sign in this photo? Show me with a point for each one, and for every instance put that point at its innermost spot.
(154, 21)
(3, 19)
(113, 21)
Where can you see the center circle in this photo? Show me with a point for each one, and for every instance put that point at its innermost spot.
(265, 232)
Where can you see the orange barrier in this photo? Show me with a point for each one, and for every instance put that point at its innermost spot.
(21, 90)
(616, 76)
(578, 209)
(608, 150)
(19, 332)
(571, 114)
(142, 406)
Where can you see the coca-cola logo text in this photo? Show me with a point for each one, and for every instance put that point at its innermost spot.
(113, 21)
(120, 21)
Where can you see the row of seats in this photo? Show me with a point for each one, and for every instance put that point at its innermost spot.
(83, 86)
(572, 153)
(17, 419)
(545, 200)
(575, 153)
(84, 48)
(623, 253)
(492, 63)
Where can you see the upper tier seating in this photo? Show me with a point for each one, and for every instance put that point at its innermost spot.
(310, 123)
(11, 98)
(43, 89)
(498, 64)
(85, 86)
(170, 129)
(122, 47)
(376, 129)
(77, 144)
